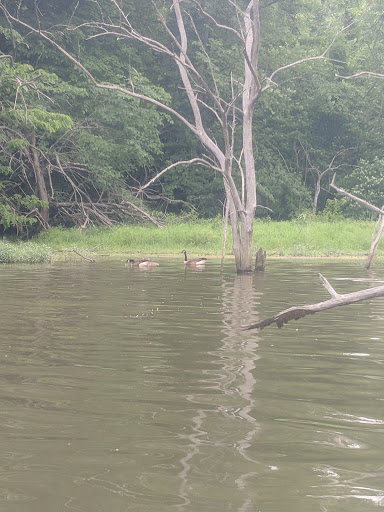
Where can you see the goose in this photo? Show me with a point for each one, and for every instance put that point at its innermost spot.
(143, 263)
(195, 262)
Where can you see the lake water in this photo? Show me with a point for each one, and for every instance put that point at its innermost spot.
(125, 390)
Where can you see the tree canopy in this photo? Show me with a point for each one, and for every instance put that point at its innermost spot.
(75, 155)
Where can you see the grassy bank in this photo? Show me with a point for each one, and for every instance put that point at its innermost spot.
(288, 239)
(205, 237)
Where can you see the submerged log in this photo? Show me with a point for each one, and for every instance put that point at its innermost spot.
(297, 312)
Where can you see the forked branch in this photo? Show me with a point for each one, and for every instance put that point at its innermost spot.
(270, 80)
(297, 312)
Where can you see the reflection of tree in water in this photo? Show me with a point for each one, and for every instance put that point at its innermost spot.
(223, 432)
(239, 303)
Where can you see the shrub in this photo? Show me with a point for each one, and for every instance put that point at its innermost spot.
(24, 252)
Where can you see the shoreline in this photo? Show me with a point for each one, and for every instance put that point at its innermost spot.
(344, 239)
(136, 256)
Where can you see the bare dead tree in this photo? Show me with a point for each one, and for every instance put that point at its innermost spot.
(320, 173)
(375, 237)
(297, 312)
(234, 115)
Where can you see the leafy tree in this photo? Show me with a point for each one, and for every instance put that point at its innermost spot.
(117, 144)
(74, 149)
(26, 123)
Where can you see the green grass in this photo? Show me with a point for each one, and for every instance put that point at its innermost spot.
(317, 238)
(287, 238)
(24, 252)
(204, 237)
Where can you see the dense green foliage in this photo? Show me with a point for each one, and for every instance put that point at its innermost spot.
(75, 155)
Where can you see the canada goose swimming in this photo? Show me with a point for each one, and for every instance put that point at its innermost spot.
(143, 263)
(195, 262)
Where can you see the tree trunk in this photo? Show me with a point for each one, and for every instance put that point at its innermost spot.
(375, 243)
(316, 198)
(247, 220)
(246, 246)
(251, 93)
(40, 185)
(225, 231)
(242, 238)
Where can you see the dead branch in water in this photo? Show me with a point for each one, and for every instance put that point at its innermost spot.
(297, 312)
(84, 257)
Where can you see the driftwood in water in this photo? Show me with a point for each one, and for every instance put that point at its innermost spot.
(296, 312)
(84, 257)
(260, 260)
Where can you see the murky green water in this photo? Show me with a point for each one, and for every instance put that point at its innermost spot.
(125, 390)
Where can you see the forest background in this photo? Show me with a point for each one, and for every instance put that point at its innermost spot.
(73, 155)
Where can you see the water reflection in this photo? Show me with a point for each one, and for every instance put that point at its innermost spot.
(241, 301)
(125, 390)
(235, 357)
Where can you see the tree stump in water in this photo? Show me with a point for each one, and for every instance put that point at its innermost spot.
(261, 257)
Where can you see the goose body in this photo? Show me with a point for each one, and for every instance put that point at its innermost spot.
(195, 262)
(143, 263)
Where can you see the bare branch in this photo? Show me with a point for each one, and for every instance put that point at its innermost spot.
(297, 312)
(370, 206)
(7, 57)
(361, 74)
(307, 59)
(357, 199)
(143, 212)
(219, 25)
(332, 292)
(211, 109)
(196, 130)
(84, 257)
(186, 68)
(217, 98)
(199, 161)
